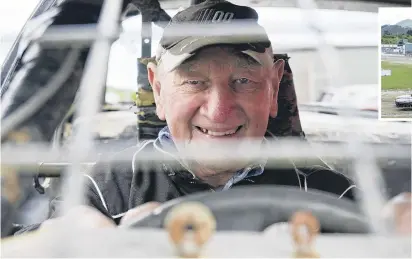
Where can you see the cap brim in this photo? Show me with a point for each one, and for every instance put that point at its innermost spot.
(175, 56)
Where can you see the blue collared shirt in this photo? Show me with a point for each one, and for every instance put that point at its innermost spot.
(165, 139)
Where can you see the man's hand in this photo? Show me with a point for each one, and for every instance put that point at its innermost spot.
(399, 208)
(139, 211)
(83, 216)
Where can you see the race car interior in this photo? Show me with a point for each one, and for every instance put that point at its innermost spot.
(47, 93)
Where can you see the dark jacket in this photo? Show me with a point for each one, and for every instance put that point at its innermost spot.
(114, 188)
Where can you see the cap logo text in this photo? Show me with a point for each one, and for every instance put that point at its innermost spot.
(221, 16)
(214, 16)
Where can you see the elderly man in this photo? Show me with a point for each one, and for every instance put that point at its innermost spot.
(208, 90)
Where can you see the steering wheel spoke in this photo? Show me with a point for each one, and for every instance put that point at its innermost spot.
(190, 225)
(304, 229)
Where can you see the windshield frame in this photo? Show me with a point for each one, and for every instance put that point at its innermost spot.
(10, 61)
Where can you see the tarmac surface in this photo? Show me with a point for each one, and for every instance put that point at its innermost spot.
(388, 108)
(399, 59)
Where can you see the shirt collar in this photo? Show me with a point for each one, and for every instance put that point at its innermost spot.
(166, 142)
(165, 139)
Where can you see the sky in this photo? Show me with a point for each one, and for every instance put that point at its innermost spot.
(393, 15)
(13, 16)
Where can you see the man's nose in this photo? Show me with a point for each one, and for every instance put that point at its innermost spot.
(220, 104)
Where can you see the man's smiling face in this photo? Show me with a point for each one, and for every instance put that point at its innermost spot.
(218, 94)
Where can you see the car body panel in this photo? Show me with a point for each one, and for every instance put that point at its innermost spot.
(155, 243)
(329, 127)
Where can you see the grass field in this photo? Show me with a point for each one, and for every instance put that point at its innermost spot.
(401, 78)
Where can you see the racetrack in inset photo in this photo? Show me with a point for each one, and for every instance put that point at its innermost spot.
(388, 108)
(398, 83)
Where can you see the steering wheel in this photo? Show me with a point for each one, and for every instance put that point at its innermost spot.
(255, 208)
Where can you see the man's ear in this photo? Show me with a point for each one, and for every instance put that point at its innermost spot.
(153, 77)
(277, 73)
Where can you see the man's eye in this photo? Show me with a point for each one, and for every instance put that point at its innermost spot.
(242, 81)
(194, 85)
(193, 82)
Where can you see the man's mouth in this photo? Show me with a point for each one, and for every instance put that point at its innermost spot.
(219, 133)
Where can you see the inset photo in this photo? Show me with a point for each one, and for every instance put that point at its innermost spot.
(396, 63)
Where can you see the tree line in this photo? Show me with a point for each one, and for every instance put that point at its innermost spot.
(388, 38)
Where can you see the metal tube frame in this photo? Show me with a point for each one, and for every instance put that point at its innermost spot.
(91, 85)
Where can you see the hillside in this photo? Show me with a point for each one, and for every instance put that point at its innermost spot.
(399, 28)
(394, 30)
(405, 23)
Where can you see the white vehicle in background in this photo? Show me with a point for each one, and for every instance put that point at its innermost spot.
(346, 111)
(362, 97)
